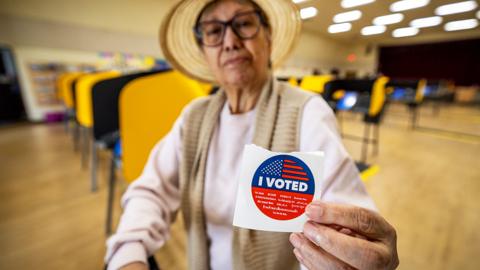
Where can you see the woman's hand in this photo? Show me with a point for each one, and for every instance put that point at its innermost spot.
(345, 237)
(135, 266)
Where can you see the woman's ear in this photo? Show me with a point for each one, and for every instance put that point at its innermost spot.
(268, 36)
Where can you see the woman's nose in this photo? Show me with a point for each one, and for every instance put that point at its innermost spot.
(231, 41)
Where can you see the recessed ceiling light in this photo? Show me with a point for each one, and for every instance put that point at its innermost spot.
(308, 12)
(299, 1)
(405, 32)
(373, 30)
(454, 8)
(338, 28)
(478, 14)
(347, 16)
(388, 19)
(355, 3)
(426, 22)
(461, 25)
(408, 4)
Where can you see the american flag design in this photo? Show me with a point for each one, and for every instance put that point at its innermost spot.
(287, 169)
(282, 187)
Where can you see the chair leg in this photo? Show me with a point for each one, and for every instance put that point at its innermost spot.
(366, 137)
(85, 146)
(111, 193)
(414, 117)
(376, 139)
(93, 167)
(66, 120)
(76, 136)
(83, 143)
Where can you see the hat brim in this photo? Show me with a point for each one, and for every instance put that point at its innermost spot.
(180, 48)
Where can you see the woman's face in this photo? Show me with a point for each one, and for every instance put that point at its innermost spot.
(237, 62)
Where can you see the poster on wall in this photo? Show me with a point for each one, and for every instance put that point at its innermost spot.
(43, 77)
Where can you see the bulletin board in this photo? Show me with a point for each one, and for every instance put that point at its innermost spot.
(43, 79)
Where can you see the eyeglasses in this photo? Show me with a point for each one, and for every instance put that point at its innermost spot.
(245, 25)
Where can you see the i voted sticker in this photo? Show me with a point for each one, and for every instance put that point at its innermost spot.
(275, 188)
(282, 187)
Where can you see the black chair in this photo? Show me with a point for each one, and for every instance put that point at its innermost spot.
(409, 92)
(362, 87)
(80, 134)
(363, 102)
(438, 93)
(105, 95)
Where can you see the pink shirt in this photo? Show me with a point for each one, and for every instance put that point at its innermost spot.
(150, 201)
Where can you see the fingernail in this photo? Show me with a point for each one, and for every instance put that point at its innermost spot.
(295, 240)
(313, 210)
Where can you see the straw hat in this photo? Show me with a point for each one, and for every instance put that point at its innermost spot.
(181, 50)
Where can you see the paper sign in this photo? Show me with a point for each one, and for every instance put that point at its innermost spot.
(274, 189)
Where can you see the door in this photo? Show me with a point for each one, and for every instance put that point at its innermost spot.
(11, 104)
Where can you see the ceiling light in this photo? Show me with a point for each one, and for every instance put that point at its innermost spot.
(426, 22)
(405, 32)
(456, 8)
(308, 12)
(478, 14)
(347, 16)
(338, 28)
(408, 4)
(373, 30)
(355, 3)
(299, 1)
(388, 19)
(461, 25)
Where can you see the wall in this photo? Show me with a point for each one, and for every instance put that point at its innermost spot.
(57, 30)
(140, 17)
(47, 34)
(323, 53)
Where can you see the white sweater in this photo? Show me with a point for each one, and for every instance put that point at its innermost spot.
(150, 201)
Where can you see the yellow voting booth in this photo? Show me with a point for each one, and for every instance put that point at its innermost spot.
(315, 83)
(293, 81)
(65, 93)
(84, 95)
(378, 98)
(206, 87)
(148, 107)
(84, 114)
(65, 88)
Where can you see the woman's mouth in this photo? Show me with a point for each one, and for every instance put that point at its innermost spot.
(236, 61)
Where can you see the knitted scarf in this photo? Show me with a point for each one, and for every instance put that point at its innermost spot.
(277, 125)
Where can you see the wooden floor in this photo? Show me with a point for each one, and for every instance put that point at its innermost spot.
(428, 187)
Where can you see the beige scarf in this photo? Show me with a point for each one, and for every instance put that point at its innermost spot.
(278, 119)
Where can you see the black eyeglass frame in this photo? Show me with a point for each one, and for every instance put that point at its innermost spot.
(198, 32)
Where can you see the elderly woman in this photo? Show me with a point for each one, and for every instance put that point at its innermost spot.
(236, 43)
